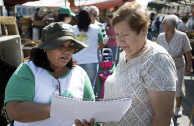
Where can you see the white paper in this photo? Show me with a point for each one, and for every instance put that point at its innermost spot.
(101, 111)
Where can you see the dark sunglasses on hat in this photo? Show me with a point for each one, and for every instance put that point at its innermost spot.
(94, 15)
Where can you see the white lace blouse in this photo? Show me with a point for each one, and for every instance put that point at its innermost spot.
(178, 45)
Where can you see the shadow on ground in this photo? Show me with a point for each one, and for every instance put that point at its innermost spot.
(187, 104)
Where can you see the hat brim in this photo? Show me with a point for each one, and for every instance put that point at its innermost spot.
(72, 14)
(56, 43)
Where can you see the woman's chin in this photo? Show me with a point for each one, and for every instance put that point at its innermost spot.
(62, 63)
(126, 50)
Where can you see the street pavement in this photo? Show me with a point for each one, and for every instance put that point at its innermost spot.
(187, 103)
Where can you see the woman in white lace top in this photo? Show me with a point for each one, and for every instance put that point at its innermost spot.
(145, 72)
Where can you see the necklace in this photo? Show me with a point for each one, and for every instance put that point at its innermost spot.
(60, 72)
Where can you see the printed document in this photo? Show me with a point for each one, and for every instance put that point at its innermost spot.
(102, 111)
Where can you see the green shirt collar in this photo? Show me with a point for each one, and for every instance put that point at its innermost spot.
(65, 75)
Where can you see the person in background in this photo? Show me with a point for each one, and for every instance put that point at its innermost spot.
(19, 16)
(182, 25)
(6, 12)
(94, 20)
(157, 25)
(190, 22)
(112, 43)
(64, 14)
(95, 14)
(37, 16)
(151, 26)
(91, 35)
(177, 44)
(54, 14)
(51, 71)
(105, 22)
(146, 72)
(160, 31)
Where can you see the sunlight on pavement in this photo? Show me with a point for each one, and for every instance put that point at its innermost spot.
(189, 77)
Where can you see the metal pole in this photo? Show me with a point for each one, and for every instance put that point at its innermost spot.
(65, 2)
(191, 116)
(1, 10)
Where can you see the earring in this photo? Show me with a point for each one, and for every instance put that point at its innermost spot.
(143, 34)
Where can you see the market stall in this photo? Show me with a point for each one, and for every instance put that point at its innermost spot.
(105, 4)
(9, 3)
(11, 56)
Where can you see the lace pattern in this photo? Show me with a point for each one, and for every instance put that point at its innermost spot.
(152, 70)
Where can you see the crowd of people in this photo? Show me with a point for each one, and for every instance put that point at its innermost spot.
(66, 63)
(184, 24)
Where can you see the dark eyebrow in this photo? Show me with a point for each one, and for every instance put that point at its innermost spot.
(72, 42)
(124, 32)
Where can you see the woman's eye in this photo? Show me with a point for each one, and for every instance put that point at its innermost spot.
(125, 34)
(71, 47)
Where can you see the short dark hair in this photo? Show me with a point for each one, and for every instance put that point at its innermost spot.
(39, 58)
(152, 14)
(185, 19)
(84, 19)
(62, 16)
(37, 9)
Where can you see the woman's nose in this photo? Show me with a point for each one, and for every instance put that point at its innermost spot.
(119, 39)
(65, 49)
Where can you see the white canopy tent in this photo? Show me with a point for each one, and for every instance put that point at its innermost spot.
(88, 2)
(47, 3)
(58, 3)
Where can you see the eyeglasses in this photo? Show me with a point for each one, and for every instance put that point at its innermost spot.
(94, 15)
(123, 36)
